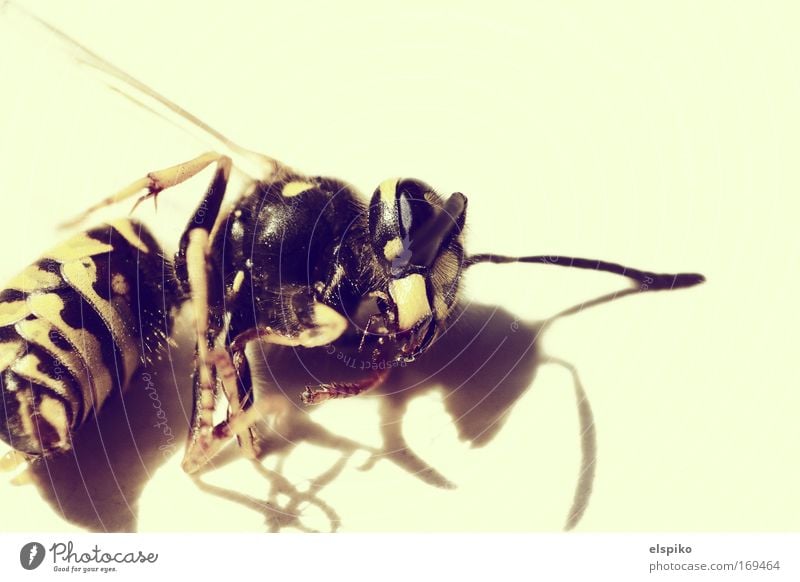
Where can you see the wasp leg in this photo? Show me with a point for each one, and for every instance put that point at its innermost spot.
(199, 450)
(317, 394)
(194, 268)
(324, 325)
(234, 372)
(312, 324)
(207, 440)
(260, 409)
(244, 396)
(154, 183)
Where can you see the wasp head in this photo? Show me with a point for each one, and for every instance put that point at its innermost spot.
(416, 238)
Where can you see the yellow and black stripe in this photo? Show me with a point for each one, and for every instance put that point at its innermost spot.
(74, 326)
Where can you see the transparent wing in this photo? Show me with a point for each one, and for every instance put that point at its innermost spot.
(25, 24)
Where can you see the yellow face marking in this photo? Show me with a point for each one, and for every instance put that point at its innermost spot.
(388, 189)
(33, 278)
(411, 298)
(53, 412)
(12, 311)
(125, 228)
(37, 332)
(78, 247)
(393, 249)
(295, 188)
(82, 276)
(119, 284)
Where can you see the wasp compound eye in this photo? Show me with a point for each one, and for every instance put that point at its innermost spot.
(409, 224)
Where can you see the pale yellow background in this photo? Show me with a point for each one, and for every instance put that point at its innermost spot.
(660, 135)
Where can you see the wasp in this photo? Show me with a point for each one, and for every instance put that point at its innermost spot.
(297, 260)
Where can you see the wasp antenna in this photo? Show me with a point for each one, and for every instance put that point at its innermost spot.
(647, 280)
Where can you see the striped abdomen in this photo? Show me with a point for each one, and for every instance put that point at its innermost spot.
(73, 328)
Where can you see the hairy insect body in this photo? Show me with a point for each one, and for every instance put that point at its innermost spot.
(297, 242)
(74, 326)
(305, 242)
(298, 261)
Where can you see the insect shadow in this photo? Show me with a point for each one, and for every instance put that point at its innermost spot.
(484, 364)
(486, 361)
(97, 484)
